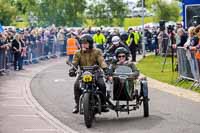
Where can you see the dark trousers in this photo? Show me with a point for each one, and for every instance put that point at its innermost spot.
(21, 60)
(100, 84)
(16, 60)
(133, 49)
(100, 46)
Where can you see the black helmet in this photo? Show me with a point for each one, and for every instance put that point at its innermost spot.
(86, 38)
(121, 50)
(124, 36)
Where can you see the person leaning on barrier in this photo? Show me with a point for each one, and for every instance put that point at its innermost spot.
(2, 41)
(88, 56)
(192, 40)
(183, 38)
(197, 47)
(197, 31)
(17, 47)
(190, 49)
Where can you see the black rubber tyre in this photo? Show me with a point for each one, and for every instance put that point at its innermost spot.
(87, 109)
(146, 106)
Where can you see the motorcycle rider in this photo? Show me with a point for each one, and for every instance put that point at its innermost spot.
(122, 60)
(116, 41)
(124, 37)
(88, 56)
(122, 55)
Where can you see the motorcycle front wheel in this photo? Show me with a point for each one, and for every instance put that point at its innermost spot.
(146, 106)
(87, 109)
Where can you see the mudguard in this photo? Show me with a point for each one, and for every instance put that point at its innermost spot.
(144, 87)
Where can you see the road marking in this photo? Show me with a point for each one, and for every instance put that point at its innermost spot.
(13, 105)
(59, 80)
(6, 91)
(8, 97)
(40, 130)
(35, 116)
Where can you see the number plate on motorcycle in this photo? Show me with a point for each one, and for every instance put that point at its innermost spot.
(87, 78)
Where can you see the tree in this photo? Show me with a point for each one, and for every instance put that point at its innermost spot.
(165, 11)
(99, 13)
(119, 10)
(24, 6)
(107, 12)
(7, 12)
(61, 12)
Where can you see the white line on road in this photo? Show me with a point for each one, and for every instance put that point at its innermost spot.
(9, 91)
(59, 80)
(7, 97)
(35, 116)
(13, 105)
(40, 130)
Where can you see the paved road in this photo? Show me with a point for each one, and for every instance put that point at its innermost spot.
(53, 89)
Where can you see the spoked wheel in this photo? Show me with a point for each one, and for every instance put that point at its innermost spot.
(146, 106)
(87, 109)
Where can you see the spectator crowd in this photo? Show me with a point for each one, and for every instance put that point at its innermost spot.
(30, 45)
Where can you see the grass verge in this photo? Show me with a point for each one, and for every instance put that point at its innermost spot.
(151, 66)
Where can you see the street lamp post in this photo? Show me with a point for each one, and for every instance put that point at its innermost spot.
(143, 45)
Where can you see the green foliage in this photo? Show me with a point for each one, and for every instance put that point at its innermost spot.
(48, 12)
(164, 10)
(127, 22)
(154, 71)
(7, 12)
(107, 12)
(136, 21)
(98, 14)
(61, 12)
(169, 12)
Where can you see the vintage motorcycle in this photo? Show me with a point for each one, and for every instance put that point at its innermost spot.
(90, 100)
(123, 87)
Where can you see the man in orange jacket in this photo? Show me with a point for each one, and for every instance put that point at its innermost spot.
(72, 46)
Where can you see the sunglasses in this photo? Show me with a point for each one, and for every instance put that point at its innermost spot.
(121, 56)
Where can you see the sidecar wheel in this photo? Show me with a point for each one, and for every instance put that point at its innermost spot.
(87, 109)
(146, 106)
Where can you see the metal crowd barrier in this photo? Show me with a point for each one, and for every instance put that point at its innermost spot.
(188, 66)
(44, 49)
(38, 50)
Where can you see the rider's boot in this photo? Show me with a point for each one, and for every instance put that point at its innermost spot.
(76, 109)
(104, 106)
(77, 94)
(105, 109)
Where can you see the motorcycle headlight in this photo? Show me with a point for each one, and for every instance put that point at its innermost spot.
(87, 78)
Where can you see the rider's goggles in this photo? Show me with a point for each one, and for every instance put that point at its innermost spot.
(121, 56)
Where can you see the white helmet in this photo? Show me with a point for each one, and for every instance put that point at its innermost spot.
(115, 40)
